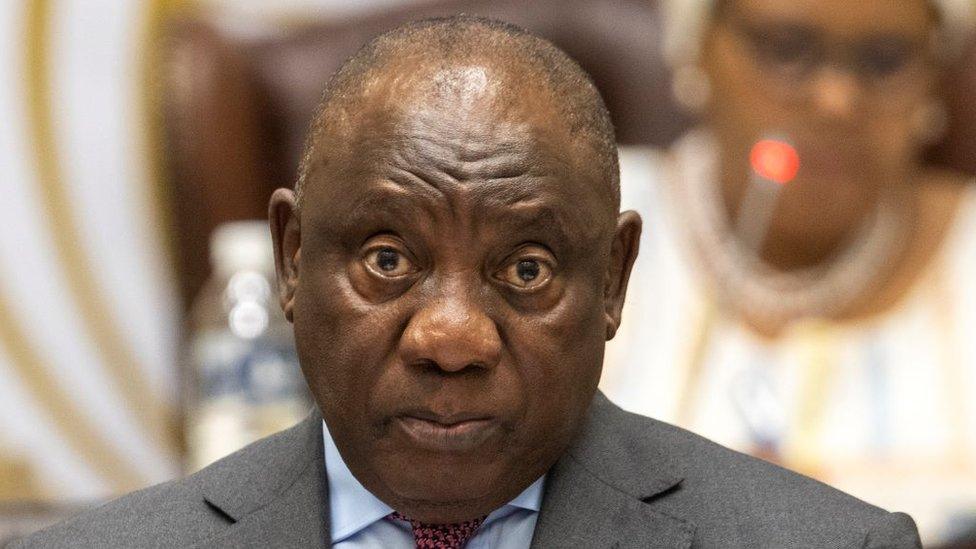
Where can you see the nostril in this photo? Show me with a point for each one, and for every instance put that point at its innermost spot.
(426, 364)
(448, 369)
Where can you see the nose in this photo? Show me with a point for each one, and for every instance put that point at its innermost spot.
(836, 93)
(452, 332)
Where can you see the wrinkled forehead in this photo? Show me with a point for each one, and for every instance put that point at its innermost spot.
(460, 140)
(470, 121)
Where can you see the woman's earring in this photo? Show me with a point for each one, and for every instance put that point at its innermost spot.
(929, 122)
(691, 88)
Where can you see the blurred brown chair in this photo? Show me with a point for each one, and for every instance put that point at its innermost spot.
(238, 97)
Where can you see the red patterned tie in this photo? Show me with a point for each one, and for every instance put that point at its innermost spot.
(441, 536)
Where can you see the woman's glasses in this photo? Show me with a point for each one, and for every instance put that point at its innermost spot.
(792, 54)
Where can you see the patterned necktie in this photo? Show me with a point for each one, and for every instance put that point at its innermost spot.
(441, 536)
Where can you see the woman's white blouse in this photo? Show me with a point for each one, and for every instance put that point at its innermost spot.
(884, 409)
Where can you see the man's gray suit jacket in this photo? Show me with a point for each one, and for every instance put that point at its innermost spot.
(627, 481)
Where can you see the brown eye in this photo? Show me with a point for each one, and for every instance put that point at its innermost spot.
(388, 262)
(526, 273)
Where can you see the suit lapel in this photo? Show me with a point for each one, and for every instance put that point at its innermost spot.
(579, 510)
(295, 519)
(283, 500)
(596, 494)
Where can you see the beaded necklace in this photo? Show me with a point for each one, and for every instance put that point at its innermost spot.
(743, 281)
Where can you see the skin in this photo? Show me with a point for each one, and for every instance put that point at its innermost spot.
(855, 143)
(451, 377)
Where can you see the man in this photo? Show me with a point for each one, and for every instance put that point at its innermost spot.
(453, 261)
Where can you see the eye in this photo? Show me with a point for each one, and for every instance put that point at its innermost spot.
(526, 273)
(884, 57)
(787, 50)
(388, 262)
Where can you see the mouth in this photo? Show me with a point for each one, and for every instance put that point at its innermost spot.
(455, 433)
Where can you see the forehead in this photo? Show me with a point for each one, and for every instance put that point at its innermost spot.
(843, 17)
(460, 131)
(473, 104)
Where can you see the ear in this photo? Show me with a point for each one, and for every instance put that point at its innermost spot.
(287, 237)
(623, 252)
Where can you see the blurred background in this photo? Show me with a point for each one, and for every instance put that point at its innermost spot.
(141, 139)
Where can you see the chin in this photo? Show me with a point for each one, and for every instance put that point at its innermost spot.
(439, 494)
(827, 195)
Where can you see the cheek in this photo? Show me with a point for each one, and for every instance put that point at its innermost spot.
(560, 353)
(894, 138)
(342, 341)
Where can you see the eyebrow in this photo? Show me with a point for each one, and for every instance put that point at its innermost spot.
(389, 198)
(532, 214)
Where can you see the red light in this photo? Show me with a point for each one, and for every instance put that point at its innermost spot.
(775, 160)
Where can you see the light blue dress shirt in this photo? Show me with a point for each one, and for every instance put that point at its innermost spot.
(358, 518)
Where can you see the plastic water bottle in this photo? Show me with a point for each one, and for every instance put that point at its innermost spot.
(244, 381)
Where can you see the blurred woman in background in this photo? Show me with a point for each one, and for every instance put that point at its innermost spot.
(839, 339)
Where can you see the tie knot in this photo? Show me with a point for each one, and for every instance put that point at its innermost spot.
(441, 536)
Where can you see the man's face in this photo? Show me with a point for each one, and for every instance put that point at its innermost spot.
(452, 293)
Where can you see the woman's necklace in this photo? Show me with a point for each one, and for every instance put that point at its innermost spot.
(743, 281)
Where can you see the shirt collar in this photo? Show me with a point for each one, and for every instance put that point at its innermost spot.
(353, 508)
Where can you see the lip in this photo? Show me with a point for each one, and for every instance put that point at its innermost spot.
(454, 433)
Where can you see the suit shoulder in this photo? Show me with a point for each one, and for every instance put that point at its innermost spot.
(174, 513)
(166, 515)
(710, 466)
(727, 493)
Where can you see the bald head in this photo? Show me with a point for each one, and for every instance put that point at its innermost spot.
(463, 63)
